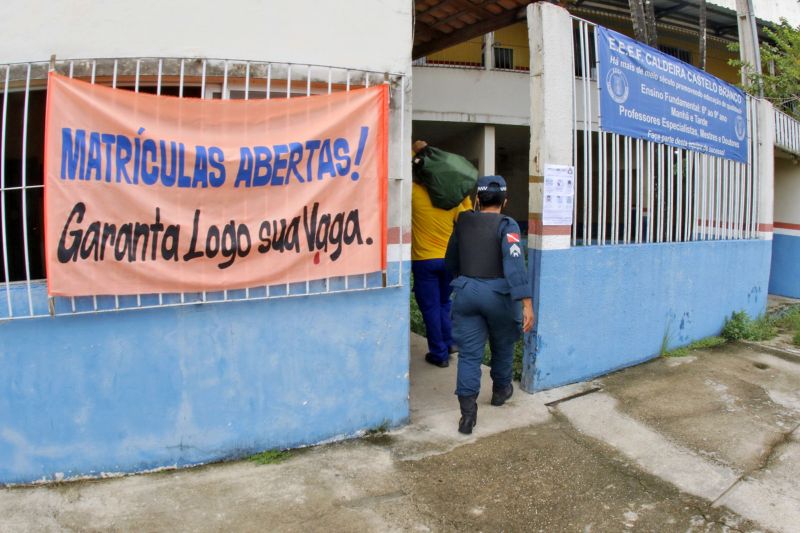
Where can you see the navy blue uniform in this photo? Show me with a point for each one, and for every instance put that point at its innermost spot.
(488, 307)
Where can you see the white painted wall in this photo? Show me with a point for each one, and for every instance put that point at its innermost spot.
(359, 34)
(771, 10)
(787, 190)
(471, 95)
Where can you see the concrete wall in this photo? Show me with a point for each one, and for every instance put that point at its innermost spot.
(301, 31)
(138, 389)
(471, 95)
(135, 390)
(604, 308)
(785, 274)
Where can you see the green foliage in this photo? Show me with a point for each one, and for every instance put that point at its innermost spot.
(702, 344)
(519, 351)
(417, 324)
(780, 61)
(741, 327)
(796, 338)
(270, 457)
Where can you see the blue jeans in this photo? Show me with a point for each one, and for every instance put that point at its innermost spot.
(432, 291)
(481, 309)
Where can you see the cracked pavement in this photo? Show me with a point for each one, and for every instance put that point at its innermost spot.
(708, 442)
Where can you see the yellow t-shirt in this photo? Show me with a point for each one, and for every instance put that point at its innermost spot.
(430, 226)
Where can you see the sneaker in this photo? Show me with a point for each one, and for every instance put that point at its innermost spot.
(429, 357)
(499, 396)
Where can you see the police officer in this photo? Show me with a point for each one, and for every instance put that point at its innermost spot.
(491, 296)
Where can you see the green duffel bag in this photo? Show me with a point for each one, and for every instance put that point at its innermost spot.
(448, 177)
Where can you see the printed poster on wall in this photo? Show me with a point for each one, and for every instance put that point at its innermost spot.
(558, 195)
(647, 94)
(147, 194)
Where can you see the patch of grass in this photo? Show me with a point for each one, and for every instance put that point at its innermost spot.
(790, 319)
(270, 457)
(741, 327)
(702, 344)
(796, 338)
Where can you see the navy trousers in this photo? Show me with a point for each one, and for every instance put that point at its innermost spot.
(432, 291)
(481, 309)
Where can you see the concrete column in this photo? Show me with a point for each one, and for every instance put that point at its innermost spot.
(765, 167)
(550, 39)
(486, 139)
(488, 51)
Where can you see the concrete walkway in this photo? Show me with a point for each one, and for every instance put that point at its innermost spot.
(708, 442)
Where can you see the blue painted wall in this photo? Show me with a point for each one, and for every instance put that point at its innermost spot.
(134, 390)
(784, 278)
(604, 308)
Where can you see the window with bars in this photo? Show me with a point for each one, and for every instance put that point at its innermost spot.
(22, 112)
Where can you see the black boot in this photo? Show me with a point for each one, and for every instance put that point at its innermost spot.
(501, 394)
(469, 413)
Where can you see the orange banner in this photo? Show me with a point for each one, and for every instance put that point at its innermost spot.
(147, 194)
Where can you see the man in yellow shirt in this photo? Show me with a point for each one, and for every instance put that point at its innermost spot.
(431, 228)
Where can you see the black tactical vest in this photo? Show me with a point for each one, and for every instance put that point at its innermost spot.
(479, 252)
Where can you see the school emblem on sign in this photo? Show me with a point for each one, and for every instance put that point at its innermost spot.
(740, 133)
(617, 85)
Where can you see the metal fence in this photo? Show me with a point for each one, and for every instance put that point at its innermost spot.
(787, 132)
(23, 292)
(632, 191)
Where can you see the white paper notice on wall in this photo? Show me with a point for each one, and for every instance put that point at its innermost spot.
(558, 193)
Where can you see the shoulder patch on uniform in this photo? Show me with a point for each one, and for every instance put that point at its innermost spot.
(512, 237)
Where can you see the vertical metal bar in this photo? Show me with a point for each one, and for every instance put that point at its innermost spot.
(158, 79)
(94, 70)
(651, 193)
(574, 150)
(25, 187)
(601, 188)
(670, 182)
(6, 272)
(587, 133)
(247, 97)
(679, 197)
(717, 198)
(269, 80)
(289, 82)
(695, 195)
(203, 97)
(704, 193)
(114, 86)
(203, 81)
(224, 96)
(180, 95)
(71, 72)
(661, 162)
(615, 183)
(71, 68)
(402, 174)
(247, 81)
(628, 192)
(755, 165)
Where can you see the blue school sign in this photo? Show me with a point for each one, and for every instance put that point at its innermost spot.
(650, 95)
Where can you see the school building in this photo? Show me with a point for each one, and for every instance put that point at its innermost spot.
(662, 244)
